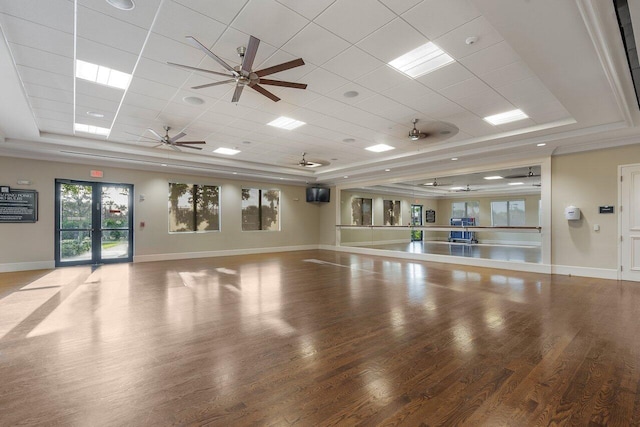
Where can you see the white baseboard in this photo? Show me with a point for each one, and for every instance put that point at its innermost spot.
(23, 266)
(598, 273)
(229, 252)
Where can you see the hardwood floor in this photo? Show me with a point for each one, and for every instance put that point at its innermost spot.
(316, 338)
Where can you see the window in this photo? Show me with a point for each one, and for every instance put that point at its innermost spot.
(466, 210)
(193, 207)
(508, 213)
(392, 212)
(260, 209)
(361, 211)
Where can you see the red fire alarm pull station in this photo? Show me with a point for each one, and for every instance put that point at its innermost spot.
(96, 174)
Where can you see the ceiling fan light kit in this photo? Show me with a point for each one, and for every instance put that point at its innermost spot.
(243, 74)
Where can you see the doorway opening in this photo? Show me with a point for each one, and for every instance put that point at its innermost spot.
(416, 219)
(93, 223)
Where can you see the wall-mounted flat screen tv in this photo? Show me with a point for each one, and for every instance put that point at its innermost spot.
(318, 194)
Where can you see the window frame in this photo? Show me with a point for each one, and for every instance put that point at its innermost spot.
(261, 192)
(508, 212)
(193, 188)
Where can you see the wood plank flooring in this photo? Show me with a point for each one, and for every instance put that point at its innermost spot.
(316, 338)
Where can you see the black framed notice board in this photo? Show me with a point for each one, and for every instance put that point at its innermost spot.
(18, 205)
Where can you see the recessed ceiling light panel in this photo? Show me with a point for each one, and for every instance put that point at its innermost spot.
(421, 60)
(506, 117)
(96, 130)
(102, 75)
(380, 148)
(286, 123)
(227, 151)
(516, 183)
(95, 114)
(493, 177)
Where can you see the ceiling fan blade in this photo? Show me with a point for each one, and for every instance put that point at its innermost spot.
(190, 142)
(155, 133)
(198, 69)
(265, 92)
(284, 84)
(159, 145)
(237, 93)
(173, 147)
(176, 137)
(212, 55)
(250, 54)
(281, 67)
(214, 84)
(188, 146)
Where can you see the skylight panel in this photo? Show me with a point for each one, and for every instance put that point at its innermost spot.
(96, 130)
(506, 117)
(102, 75)
(227, 151)
(380, 148)
(286, 123)
(421, 60)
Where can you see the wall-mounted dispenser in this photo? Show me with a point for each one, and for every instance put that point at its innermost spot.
(572, 213)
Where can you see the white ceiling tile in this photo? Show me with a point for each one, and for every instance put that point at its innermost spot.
(470, 124)
(308, 9)
(486, 103)
(400, 6)
(56, 14)
(322, 81)
(42, 60)
(445, 76)
(45, 78)
(382, 78)
(527, 92)
(55, 126)
(393, 40)
(191, 23)
(434, 18)
(27, 33)
(363, 94)
(99, 91)
(435, 106)
(103, 29)
(491, 58)
(354, 20)
(465, 88)
(226, 47)
(352, 63)
(408, 91)
(508, 74)
(137, 112)
(85, 102)
(142, 15)
(315, 45)
(45, 92)
(64, 116)
(157, 90)
(104, 55)
(454, 42)
(163, 49)
(144, 101)
(544, 113)
(48, 104)
(277, 23)
(224, 11)
(382, 106)
(161, 72)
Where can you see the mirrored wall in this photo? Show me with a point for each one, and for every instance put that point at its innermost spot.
(493, 215)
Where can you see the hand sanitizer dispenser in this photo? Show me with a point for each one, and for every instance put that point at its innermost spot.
(572, 213)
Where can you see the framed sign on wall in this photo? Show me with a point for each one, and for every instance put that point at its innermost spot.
(18, 205)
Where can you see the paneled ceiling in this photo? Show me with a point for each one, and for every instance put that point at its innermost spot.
(562, 63)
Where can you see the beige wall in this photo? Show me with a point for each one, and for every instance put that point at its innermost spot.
(587, 180)
(23, 243)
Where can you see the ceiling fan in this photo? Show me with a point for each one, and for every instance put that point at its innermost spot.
(434, 130)
(435, 183)
(242, 75)
(467, 188)
(310, 164)
(529, 174)
(172, 141)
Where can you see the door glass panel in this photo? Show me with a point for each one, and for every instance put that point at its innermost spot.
(75, 206)
(115, 207)
(115, 244)
(75, 245)
(114, 222)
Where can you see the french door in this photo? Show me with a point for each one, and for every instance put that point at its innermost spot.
(630, 223)
(416, 219)
(94, 223)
